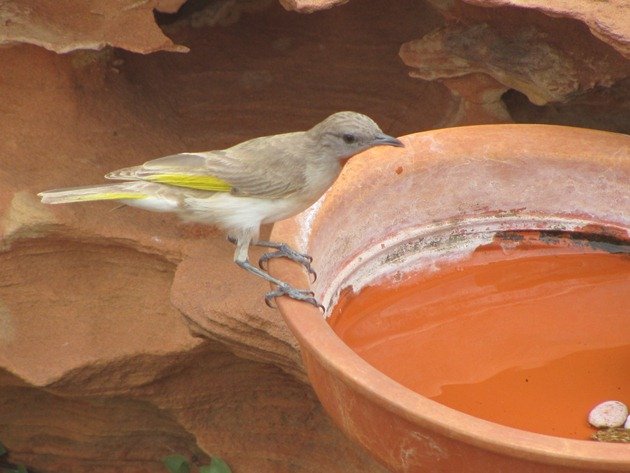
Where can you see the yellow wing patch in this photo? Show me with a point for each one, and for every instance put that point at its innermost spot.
(192, 181)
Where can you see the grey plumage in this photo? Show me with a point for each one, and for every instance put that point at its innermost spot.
(239, 188)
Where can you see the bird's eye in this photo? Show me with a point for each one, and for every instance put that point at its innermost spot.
(349, 138)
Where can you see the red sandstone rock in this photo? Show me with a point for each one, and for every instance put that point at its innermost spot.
(480, 99)
(168, 6)
(543, 52)
(66, 25)
(525, 61)
(105, 313)
(608, 20)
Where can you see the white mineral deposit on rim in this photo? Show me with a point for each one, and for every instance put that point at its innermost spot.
(608, 414)
(419, 248)
(306, 222)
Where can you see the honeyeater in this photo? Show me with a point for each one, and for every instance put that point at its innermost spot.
(237, 189)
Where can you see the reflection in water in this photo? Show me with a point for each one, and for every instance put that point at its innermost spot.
(528, 334)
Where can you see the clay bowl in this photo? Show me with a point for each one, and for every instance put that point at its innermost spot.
(481, 179)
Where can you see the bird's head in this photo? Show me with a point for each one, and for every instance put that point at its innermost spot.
(345, 134)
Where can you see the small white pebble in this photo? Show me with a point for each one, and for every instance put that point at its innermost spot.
(627, 424)
(608, 414)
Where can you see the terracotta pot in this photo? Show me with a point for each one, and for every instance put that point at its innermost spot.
(485, 178)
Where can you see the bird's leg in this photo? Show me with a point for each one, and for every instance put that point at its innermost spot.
(284, 289)
(285, 251)
(282, 251)
(241, 259)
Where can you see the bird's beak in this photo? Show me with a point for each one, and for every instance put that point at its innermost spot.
(387, 140)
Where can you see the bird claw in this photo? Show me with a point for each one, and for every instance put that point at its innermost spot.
(297, 294)
(286, 252)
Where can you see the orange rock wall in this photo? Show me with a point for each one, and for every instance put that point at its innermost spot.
(125, 335)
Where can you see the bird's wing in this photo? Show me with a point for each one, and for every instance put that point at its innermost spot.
(182, 170)
(254, 168)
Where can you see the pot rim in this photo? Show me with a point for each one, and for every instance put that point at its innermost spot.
(317, 338)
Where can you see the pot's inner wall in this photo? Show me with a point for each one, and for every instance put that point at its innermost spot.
(485, 178)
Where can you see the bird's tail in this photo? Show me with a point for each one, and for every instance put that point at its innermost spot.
(121, 191)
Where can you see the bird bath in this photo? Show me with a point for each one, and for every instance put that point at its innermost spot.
(398, 214)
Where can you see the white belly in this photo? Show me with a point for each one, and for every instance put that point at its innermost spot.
(155, 204)
(232, 212)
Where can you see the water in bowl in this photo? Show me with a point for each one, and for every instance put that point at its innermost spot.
(530, 331)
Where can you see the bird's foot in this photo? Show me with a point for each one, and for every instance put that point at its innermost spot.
(297, 294)
(285, 251)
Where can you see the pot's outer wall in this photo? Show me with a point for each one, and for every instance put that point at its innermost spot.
(449, 174)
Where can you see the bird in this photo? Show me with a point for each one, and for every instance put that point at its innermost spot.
(238, 189)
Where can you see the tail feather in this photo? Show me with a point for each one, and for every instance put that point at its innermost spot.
(91, 193)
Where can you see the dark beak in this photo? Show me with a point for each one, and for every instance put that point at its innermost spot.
(387, 140)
